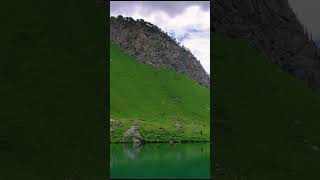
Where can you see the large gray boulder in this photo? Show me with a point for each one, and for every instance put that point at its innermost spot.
(134, 134)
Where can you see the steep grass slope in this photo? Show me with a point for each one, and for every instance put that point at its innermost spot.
(266, 123)
(156, 99)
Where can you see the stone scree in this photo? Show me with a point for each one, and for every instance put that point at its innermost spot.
(272, 27)
(150, 45)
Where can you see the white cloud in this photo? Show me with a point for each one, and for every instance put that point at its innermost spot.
(200, 47)
(190, 23)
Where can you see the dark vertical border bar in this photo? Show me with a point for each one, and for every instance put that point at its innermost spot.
(212, 103)
(107, 90)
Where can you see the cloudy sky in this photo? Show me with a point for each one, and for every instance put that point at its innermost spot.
(187, 21)
(308, 11)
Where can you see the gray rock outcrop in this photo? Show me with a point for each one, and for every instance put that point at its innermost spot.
(150, 45)
(134, 134)
(272, 27)
(178, 126)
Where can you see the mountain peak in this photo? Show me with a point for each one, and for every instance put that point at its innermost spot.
(151, 45)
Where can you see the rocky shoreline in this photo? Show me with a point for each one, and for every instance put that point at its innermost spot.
(138, 133)
(162, 142)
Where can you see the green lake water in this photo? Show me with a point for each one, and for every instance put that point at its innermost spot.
(160, 161)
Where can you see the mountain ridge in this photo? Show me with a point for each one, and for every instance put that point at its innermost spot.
(150, 45)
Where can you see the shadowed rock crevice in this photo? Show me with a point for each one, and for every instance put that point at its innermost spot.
(150, 45)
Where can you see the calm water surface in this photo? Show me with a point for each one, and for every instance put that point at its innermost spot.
(160, 161)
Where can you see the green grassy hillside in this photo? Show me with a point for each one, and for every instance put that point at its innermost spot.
(266, 122)
(156, 99)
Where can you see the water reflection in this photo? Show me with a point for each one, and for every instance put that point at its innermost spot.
(132, 150)
(160, 161)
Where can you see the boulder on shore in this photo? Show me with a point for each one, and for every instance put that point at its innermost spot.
(133, 133)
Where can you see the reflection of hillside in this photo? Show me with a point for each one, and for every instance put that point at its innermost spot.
(160, 151)
(132, 150)
(160, 160)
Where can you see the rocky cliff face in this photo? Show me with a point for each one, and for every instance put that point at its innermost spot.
(152, 46)
(272, 27)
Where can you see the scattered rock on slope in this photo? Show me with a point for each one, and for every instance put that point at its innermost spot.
(178, 126)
